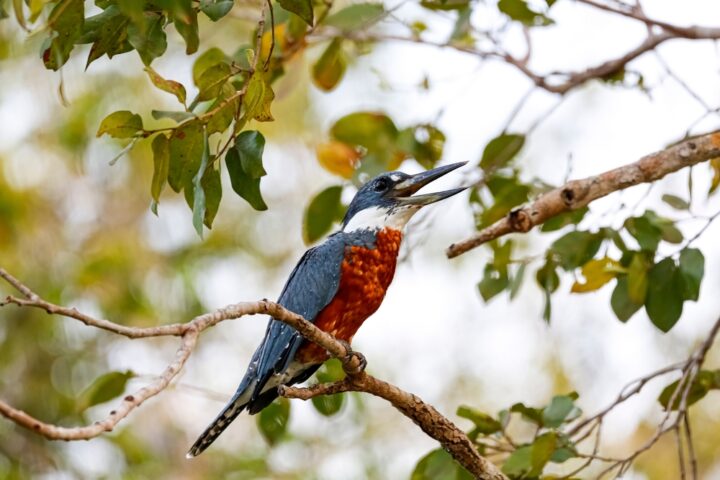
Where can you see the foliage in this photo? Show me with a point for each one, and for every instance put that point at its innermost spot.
(214, 134)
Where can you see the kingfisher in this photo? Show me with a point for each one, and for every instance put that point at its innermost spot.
(336, 285)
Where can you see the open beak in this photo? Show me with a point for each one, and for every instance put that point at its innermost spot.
(403, 191)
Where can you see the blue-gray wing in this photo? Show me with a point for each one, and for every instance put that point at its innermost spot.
(311, 287)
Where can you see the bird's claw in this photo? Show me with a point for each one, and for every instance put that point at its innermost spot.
(347, 359)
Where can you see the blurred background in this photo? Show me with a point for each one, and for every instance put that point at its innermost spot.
(80, 232)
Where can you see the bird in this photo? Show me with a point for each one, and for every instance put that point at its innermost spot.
(336, 285)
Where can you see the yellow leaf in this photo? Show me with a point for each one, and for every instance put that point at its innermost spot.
(258, 98)
(267, 41)
(715, 165)
(597, 272)
(338, 158)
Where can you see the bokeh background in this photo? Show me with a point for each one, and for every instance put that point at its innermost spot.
(79, 231)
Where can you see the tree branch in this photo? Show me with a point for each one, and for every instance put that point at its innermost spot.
(578, 193)
(424, 415)
(432, 422)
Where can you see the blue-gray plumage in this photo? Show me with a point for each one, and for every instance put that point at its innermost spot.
(320, 286)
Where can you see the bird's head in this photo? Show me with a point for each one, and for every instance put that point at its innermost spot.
(388, 201)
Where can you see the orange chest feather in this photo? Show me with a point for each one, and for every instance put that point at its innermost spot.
(365, 276)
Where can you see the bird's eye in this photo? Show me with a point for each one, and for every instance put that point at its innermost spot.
(381, 184)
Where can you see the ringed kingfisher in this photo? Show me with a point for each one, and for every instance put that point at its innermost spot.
(336, 285)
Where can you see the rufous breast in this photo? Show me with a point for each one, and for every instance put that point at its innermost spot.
(366, 274)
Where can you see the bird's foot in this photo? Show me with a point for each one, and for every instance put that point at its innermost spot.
(359, 366)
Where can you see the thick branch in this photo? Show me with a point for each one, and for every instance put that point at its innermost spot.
(432, 422)
(425, 416)
(578, 193)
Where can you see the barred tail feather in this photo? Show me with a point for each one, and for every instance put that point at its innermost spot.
(212, 432)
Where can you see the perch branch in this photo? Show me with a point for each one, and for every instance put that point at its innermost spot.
(578, 193)
(432, 422)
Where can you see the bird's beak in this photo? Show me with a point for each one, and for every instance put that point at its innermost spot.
(403, 191)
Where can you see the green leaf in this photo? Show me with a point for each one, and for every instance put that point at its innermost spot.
(650, 228)
(492, 283)
(212, 80)
(561, 409)
(462, 32)
(508, 192)
(103, 389)
(670, 233)
(692, 269)
(484, 423)
(620, 301)
(519, 463)
(161, 162)
(208, 59)
(676, 202)
(108, 32)
(576, 248)
(244, 163)
(250, 145)
(549, 281)
(212, 189)
(573, 217)
(301, 8)
(330, 67)
(186, 151)
(66, 19)
(518, 10)
(356, 16)
(439, 464)
(169, 86)
(323, 210)
(331, 371)
(19, 14)
(664, 301)
(563, 454)
(704, 381)
(445, 4)
(273, 420)
(645, 232)
(329, 405)
(121, 124)
(372, 130)
(637, 278)
(227, 105)
(212, 186)
(516, 281)
(533, 415)
(187, 27)
(198, 206)
(216, 9)
(500, 150)
(542, 450)
(148, 37)
(425, 143)
(178, 117)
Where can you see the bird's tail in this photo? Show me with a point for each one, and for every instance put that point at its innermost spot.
(221, 422)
